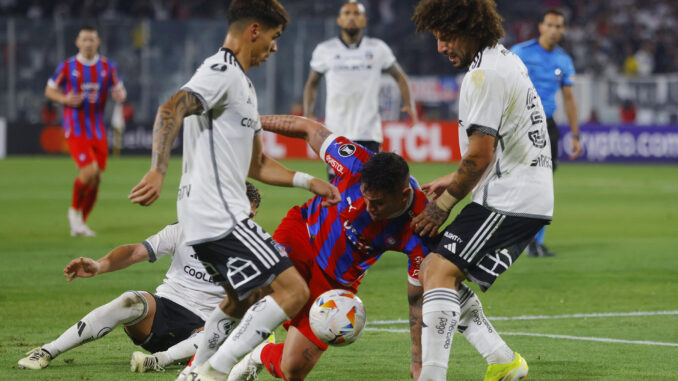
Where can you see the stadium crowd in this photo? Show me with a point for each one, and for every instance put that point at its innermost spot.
(633, 37)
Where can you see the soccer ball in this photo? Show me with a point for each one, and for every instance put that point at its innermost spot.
(337, 317)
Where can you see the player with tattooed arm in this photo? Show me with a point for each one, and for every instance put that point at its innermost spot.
(222, 147)
(506, 166)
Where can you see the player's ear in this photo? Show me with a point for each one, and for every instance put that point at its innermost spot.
(253, 31)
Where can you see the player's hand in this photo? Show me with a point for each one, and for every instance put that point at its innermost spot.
(429, 221)
(411, 112)
(73, 99)
(119, 94)
(327, 191)
(576, 149)
(148, 189)
(436, 187)
(81, 268)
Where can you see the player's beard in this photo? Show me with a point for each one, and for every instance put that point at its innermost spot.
(352, 32)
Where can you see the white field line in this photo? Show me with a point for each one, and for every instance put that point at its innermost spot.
(566, 337)
(546, 317)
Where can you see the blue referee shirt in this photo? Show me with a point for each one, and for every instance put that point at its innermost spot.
(548, 70)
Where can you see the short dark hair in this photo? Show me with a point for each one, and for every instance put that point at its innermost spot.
(386, 172)
(268, 12)
(467, 19)
(553, 11)
(88, 28)
(253, 194)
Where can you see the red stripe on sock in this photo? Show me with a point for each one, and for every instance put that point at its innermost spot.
(271, 357)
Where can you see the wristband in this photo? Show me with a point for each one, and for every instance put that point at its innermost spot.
(446, 201)
(302, 180)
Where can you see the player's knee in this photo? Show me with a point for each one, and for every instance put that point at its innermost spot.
(135, 304)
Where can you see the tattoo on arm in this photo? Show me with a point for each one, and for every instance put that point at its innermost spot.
(470, 170)
(167, 124)
(318, 138)
(283, 124)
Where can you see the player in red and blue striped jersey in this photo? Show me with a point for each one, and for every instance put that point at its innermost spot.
(332, 247)
(81, 84)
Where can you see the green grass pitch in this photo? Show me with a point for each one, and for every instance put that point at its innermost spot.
(615, 232)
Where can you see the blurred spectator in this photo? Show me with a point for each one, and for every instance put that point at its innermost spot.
(627, 112)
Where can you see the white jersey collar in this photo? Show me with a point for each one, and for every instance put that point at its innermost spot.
(85, 61)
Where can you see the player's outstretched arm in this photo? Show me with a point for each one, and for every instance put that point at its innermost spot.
(414, 297)
(297, 127)
(270, 171)
(167, 124)
(403, 84)
(119, 258)
(471, 168)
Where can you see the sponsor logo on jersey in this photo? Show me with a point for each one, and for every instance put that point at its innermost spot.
(538, 138)
(369, 55)
(248, 122)
(542, 161)
(198, 274)
(357, 241)
(347, 150)
(335, 165)
(452, 236)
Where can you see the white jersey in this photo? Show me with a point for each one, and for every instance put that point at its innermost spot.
(218, 143)
(186, 282)
(353, 74)
(498, 98)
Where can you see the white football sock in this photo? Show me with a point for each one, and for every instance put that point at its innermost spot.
(440, 313)
(181, 350)
(217, 328)
(479, 331)
(257, 324)
(128, 309)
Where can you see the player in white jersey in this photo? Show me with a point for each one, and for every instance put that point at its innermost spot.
(506, 164)
(352, 65)
(168, 323)
(222, 147)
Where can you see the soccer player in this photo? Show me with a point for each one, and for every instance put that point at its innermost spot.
(550, 68)
(333, 247)
(506, 164)
(222, 147)
(353, 64)
(81, 84)
(166, 323)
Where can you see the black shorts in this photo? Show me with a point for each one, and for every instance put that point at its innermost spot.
(172, 324)
(247, 259)
(554, 137)
(483, 243)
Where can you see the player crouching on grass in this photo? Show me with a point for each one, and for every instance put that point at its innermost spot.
(168, 324)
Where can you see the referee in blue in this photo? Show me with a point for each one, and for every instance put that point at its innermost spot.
(550, 68)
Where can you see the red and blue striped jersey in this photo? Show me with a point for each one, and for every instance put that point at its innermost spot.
(93, 78)
(345, 238)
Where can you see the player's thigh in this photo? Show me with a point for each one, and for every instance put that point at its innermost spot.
(438, 272)
(81, 151)
(171, 324)
(300, 354)
(247, 259)
(100, 149)
(142, 329)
